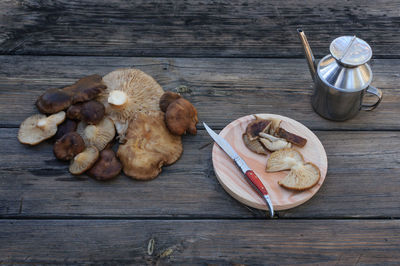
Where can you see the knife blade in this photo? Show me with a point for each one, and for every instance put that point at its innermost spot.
(249, 174)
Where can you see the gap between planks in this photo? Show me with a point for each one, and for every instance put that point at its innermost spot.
(192, 218)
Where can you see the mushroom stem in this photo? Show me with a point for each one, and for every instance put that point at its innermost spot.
(268, 136)
(117, 98)
(91, 131)
(42, 123)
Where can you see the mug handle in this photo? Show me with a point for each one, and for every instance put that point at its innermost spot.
(377, 93)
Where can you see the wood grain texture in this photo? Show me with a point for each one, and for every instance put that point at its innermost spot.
(221, 89)
(216, 242)
(362, 181)
(193, 28)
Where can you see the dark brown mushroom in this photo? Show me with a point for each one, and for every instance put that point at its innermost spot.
(106, 167)
(167, 98)
(68, 146)
(66, 127)
(86, 88)
(53, 101)
(74, 111)
(91, 112)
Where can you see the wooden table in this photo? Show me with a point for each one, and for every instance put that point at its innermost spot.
(236, 58)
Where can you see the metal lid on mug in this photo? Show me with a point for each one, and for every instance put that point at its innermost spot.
(350, 51)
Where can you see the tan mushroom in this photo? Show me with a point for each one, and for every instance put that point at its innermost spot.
(39, 127)
(97, 135)
(283, 159)
(301, 176)
(273, 143)
(84, 161)
(129, 91)
(149, 146)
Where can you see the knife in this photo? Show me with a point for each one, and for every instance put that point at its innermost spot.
(249, 174)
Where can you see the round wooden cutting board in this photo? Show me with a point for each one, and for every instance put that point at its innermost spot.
(232, 179)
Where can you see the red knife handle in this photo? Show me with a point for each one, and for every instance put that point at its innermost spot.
(253, 180)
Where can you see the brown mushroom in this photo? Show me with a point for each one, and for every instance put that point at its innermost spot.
(86, 88)
(68, 146)
(167, 98)
(97, 135)
(53, 101)
(291, 137)
(84, 161)
(65, 127)
(91, 112)
(106, 167)
(181, 117)
(39, 127)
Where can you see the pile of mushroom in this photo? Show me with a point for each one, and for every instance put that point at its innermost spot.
(147, 139)
(89, 113)
(76, 103)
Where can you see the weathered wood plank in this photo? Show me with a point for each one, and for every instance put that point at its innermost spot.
(193, 28)
(221, 89)
(221, 242)
(362, 181)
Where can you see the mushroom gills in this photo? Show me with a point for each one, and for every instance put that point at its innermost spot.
(98, 135)
(37, 128)
(283, 159)
(84, 161)
(301, 177)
